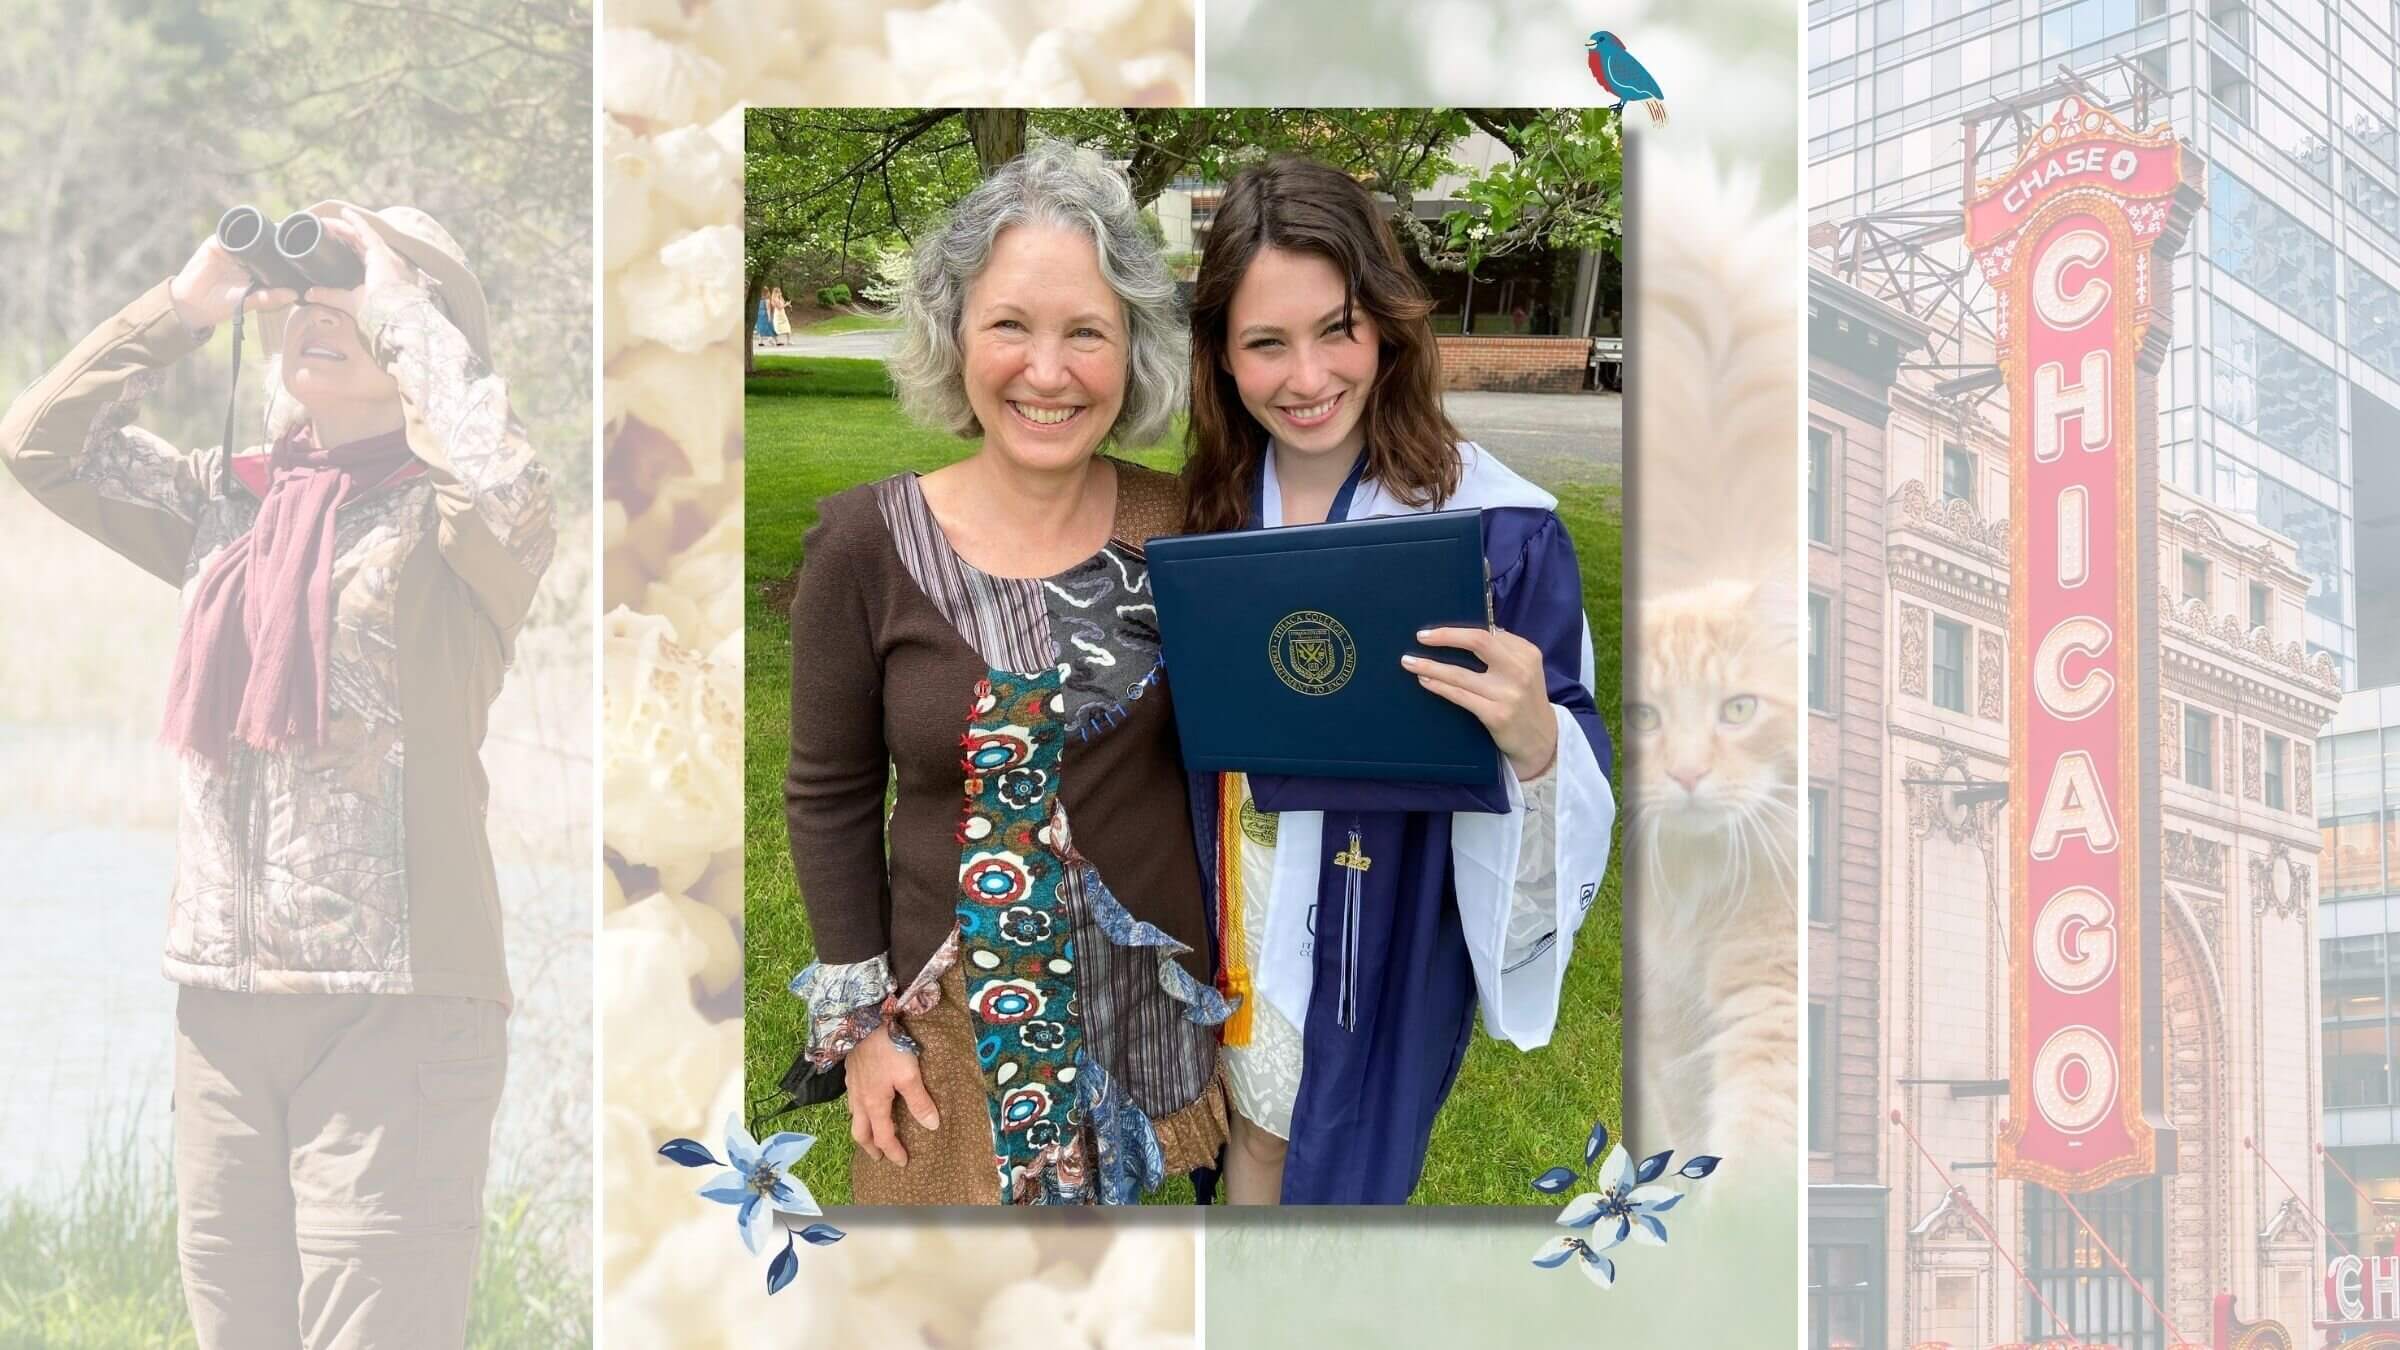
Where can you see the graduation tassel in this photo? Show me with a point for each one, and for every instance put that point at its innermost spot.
(1356, 860)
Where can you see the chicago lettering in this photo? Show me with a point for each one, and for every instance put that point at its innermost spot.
(2075, 928)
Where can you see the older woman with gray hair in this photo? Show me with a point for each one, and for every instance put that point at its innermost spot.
(1007, 981)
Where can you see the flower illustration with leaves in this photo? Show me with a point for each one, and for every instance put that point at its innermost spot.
(758, 1182)
(1626, 1207)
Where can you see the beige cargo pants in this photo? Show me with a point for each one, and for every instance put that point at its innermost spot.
(329, 1162)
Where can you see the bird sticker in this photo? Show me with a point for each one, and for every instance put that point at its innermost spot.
(1621, 75)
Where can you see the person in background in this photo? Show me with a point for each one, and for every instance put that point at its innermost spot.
(352, 590)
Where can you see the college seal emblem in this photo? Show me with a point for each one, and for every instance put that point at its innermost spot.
(1311, 652)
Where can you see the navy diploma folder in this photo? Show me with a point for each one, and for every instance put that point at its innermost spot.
(1283, 648)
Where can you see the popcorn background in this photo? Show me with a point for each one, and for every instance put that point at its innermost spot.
(672, 1267)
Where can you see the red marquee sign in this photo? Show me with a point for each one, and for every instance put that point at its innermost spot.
(2075, 240)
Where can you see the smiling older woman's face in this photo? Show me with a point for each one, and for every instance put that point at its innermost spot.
(1044, 345)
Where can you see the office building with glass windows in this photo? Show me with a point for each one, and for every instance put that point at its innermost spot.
(2279, 398)
(2276, 408)
(2358, 924)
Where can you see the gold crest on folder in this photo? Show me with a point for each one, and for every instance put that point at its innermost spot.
(1311, 652)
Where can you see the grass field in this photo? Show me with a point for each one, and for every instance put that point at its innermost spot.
(94, 1267)
(847, 323)
(815, 426)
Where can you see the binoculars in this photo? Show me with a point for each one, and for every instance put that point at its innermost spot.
(293, 255)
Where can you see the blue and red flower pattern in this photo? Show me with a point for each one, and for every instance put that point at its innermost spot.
(1017, 935)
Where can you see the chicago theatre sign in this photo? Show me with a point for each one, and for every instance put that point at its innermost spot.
(2075, 240)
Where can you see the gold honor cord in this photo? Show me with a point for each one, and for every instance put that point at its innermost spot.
(1233, 975)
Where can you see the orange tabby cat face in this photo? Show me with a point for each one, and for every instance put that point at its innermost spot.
(1714, 731)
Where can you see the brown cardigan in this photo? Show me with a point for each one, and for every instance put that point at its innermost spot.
(881, 683)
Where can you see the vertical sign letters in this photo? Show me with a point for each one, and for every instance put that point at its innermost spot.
(2075, 241)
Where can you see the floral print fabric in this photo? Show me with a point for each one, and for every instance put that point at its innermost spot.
(1087, 1032)
(1016, 934)
(846, 1003)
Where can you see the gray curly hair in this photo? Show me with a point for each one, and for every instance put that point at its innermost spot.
(1052, 183)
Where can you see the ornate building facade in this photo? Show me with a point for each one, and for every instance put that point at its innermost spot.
(1908, 856)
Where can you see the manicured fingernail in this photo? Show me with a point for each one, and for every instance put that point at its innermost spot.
(930, 1122)
(1412, 662)
(1424, 635)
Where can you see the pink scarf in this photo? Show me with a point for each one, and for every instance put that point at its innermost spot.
(250, 664)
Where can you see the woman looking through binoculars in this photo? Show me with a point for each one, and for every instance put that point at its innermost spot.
(351, 591)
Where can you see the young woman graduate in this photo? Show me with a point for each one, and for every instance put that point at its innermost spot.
(1317, 396)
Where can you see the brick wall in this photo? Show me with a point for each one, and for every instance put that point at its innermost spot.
(1520, 365)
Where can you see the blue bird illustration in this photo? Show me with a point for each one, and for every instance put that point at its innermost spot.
(1621, 75)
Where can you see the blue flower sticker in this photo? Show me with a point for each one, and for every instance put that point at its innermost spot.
(757, 1181)
(1627, 1206)
(1623, 1208)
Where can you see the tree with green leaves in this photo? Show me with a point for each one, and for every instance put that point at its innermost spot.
(130, 128)
(829, 190)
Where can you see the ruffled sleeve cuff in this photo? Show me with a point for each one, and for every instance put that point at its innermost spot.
(847, 1003)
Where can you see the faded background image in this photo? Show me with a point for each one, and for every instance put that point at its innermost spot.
(1725, 66)
(675, 320)
(675, 324)
(127, 129)
(1712, 441)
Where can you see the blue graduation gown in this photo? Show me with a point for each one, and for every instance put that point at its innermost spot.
(1369, 1091)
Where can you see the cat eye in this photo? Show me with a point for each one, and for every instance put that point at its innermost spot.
(1644, 717)
(1738, 709)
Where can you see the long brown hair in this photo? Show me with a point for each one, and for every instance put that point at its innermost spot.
(1302, 206)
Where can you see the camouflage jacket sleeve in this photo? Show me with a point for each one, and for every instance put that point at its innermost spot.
(498, 521)
(70, 439)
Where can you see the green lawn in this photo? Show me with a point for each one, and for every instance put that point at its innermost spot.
(93, 1267)
(847, 323)
(817, 425)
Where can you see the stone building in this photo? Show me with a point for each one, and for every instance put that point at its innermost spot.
(1909, 972)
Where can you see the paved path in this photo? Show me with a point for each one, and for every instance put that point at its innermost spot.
(1549, 438)
(874, 344)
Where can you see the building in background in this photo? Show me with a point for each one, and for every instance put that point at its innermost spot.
(1907, 857)
(2276, 408)
(1906, 851)
(2358, 796)
(1523, 322)
(2278, 399)
(1856, 343)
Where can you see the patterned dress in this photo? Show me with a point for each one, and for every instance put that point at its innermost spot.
(1040, 889)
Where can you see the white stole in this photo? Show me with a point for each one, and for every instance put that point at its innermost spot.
(1519, 1005)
